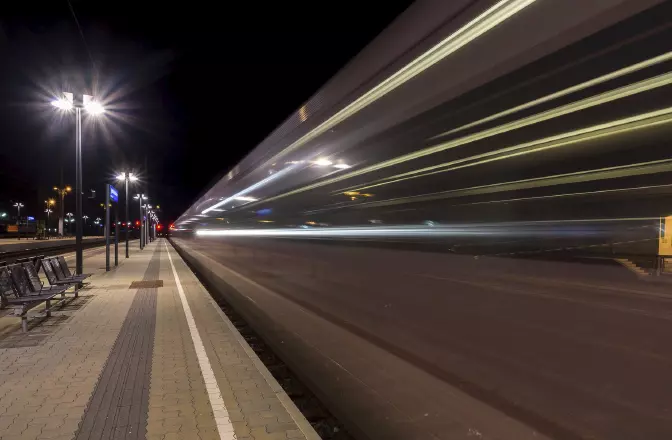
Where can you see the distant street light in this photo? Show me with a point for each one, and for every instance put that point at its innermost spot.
(62, 192)
(48, 211)
(127, 177)
(18, 206)
(140, 198)
(69, 215)
(85, 218)
(78, 102)
(48, 204)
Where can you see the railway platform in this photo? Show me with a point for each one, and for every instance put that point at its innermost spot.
(144, 352)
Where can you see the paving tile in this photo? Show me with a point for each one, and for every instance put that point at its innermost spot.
(122, 365)
(254, 409)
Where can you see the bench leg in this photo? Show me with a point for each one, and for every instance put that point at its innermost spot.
(76, 290)
(24, 319)
(48, 309)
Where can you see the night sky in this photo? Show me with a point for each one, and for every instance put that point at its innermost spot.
(190, 88)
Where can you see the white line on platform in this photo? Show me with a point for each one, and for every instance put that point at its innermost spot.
(224, 425)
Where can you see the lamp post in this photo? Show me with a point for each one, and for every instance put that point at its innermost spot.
(78, 103)
(18, 206)
(62, 192)
(148, 223)
(48, 204)
(140, 198)
(127, 177)
(85, 218)
(69, 215)
(48, 211)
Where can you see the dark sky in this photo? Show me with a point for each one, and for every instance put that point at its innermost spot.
(193, 87)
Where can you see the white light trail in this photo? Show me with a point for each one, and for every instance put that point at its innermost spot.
(492, 17)
(250, 188)
(569, 90)
(411, 231)
(612, 128)
(565, 195)
(636, 169)
(622, 92)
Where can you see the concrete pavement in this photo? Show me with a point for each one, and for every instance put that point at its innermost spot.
(144, 352)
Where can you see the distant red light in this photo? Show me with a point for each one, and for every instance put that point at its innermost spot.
(159, 226)
(137, 223)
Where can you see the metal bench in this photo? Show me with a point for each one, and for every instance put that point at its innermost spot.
(37, 285)
(15, 292)
(66, 269)
(36, 261)
(53, 268)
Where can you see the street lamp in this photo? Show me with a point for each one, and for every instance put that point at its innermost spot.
(62, 192)
(148, 212)
(127, 177)
(18, 206)
(48, 204)
(140, 198)
(48, 211)
(78, 102)
(69, 215)
(85, 218)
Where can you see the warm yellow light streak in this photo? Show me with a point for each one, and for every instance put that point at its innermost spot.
(653, 167)
(621, 126)
(575, 194)
(640, 121)
(623, 92)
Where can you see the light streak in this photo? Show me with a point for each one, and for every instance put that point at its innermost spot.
(575, 194)
(492, 17)
(250, 188)
(653, 167)
(622, 92)
(578, 87)
(514, 229)
(638, 122)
